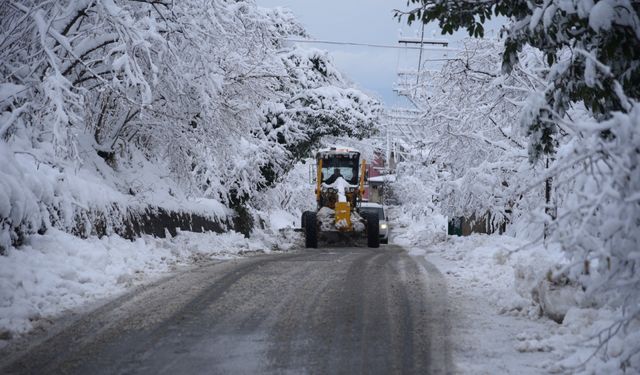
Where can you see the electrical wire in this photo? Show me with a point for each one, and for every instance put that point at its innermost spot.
(341, 43)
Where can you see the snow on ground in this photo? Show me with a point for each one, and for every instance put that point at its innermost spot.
(57, 272)
(491, 333)
(282, 219)
(497, 325)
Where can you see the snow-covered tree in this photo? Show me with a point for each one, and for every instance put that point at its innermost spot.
(582, 125)
(467, 133)
(208, 89)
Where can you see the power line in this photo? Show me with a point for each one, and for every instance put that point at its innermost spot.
(370, 45)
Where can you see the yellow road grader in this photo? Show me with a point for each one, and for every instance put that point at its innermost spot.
(339, 180)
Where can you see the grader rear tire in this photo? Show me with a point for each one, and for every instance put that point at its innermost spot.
(310, 222)
(373, 231)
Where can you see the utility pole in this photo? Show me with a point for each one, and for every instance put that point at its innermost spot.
(420, 58)
(422, 42)
(388, 153)
(403, 120)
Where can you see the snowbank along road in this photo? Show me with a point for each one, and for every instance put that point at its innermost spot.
(353, 310)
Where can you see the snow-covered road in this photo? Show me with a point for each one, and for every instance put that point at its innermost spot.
(349, 310)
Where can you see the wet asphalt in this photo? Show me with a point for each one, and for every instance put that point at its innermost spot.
(318, 311)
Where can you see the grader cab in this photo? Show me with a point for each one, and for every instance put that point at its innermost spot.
(339, 181)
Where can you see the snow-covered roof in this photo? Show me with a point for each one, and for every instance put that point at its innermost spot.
(338, 149)
(383, 178)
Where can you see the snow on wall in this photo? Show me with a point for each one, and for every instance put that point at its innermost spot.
(35, 196)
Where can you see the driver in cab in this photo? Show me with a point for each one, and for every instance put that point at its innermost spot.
(333, 177)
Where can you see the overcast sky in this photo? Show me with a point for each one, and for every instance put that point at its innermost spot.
(363, 21)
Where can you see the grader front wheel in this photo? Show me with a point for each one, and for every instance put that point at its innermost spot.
(310, 226)
(304, 219)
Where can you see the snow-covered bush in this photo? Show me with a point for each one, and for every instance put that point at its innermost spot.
(598, 220)
(282, 205)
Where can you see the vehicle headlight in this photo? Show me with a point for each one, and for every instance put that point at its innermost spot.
(383, 226)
